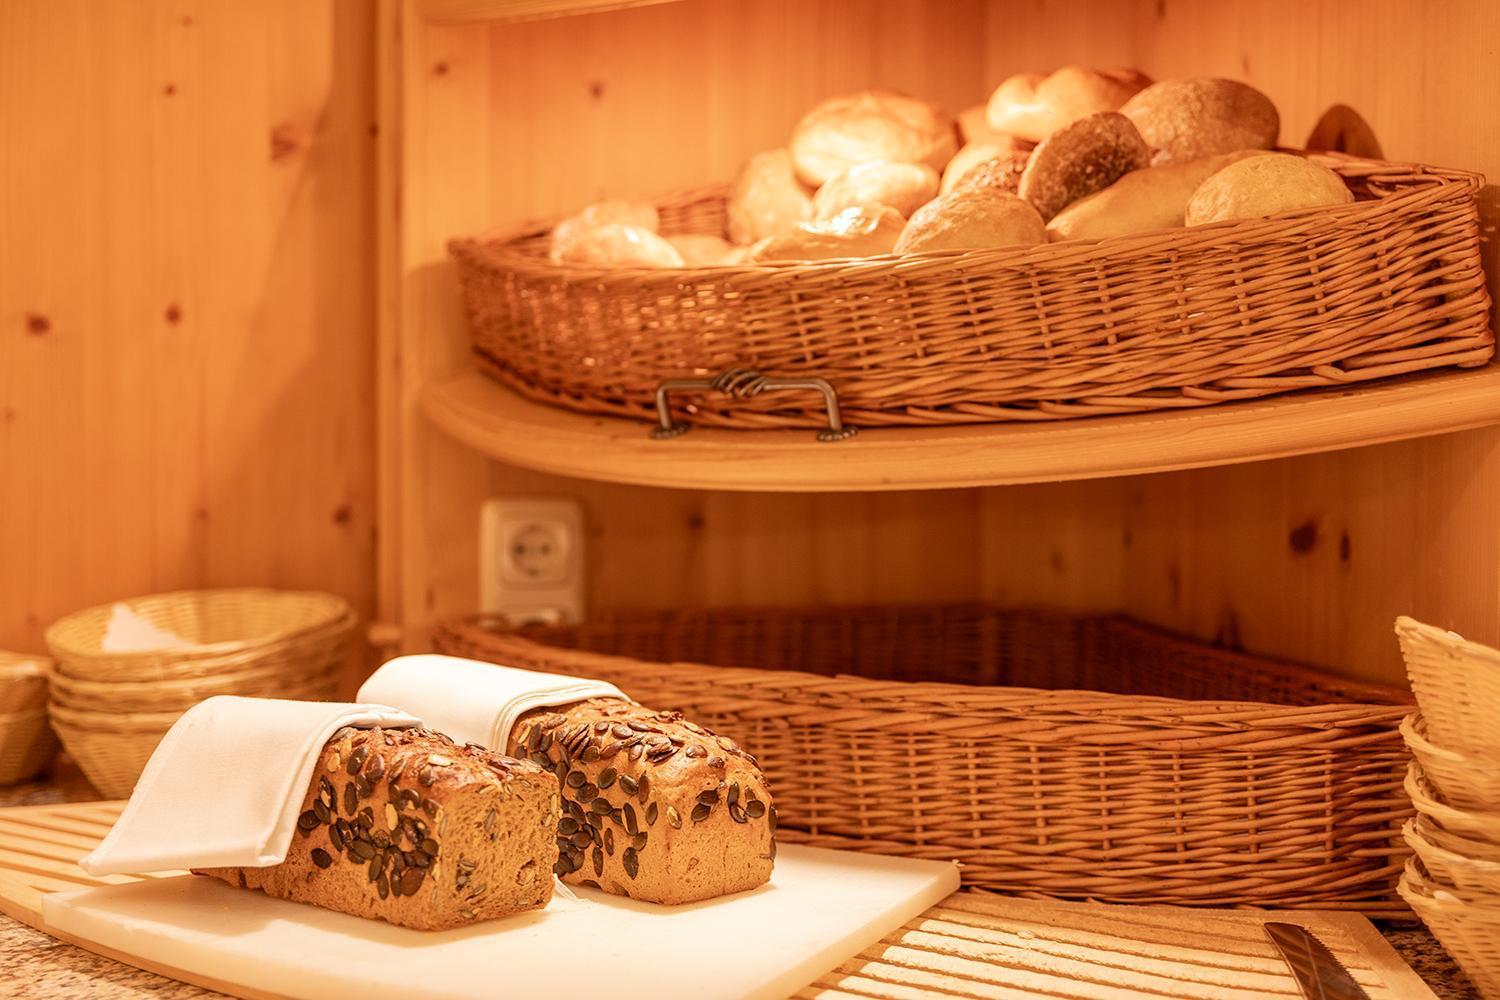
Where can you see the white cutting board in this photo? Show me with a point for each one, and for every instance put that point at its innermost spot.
(820, 908)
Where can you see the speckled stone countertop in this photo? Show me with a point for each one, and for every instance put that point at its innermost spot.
(33, 966)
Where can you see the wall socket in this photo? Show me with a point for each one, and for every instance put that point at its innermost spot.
(531, 558)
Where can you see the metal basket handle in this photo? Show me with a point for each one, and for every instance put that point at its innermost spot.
(744, 383)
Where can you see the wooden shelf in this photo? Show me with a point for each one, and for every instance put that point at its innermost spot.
(459, 11)
(505, 426)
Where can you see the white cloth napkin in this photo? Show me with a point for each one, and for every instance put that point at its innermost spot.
(474, 702)
(128, 632)
(224, 787)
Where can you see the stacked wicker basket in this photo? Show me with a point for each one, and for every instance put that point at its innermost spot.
(112, 708)
(1454, 881)
(26, 742)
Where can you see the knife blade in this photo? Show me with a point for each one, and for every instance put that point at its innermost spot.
(1320, 975)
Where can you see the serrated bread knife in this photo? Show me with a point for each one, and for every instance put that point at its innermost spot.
(1320, 975)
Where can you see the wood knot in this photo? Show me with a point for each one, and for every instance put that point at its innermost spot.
(173, 314)
(1304, 537)
(286, 139)
(37, 324)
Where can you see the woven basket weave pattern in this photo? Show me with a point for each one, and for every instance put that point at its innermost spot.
(1119, 794)
(1388, 285)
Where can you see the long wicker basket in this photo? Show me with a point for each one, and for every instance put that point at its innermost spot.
(1388, 285)
(1187, 774)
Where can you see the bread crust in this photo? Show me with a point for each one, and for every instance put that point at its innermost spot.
(1140, 201)
(1265, 185)
(620, 245)
(851, 129)
(404, 825)
(1086, 156)
(972, 218)
(1032, 106)
(855, 232)
(767, 198)
(1203, 116)
(905, 187)
(654, 807)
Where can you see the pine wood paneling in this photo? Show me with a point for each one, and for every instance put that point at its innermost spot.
(186, 300)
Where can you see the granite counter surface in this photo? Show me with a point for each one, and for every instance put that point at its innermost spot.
(34, 966)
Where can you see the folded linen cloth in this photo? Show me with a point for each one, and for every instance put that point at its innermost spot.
(471, 701)
(226, 784)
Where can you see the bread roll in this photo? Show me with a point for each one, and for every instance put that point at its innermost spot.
(905, 187)
(1002, 173)
(654, 807)
(854, 232)
(1265, 185)
(974, 127)
(1191, 119)
(701, 249)
(1086, 156)
(1032, 106)
(843, 132)
(1141, 201)
(619, 245)
(969, 219)
(403, 825)
(767, 198)
(601, 213)
(976, 154)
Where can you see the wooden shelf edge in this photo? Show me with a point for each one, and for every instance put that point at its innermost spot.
(505, 11)
(495, 420)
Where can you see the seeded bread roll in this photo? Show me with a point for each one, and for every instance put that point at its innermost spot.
(1265, 185)
(1087, 156)
(905, 187)
(1191, 119)
(846, 131)
(654, 807)
(1033, 106)
(987, 164)
(405, 826)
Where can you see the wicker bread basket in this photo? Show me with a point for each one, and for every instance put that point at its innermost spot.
(111, 709)
(1387, 285)
(27, 743)
(1476, 875)
(1471, 823)
(1187, 775)
(1468, 928)
(1466, 781)
(1457, 683)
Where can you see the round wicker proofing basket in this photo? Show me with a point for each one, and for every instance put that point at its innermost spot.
(1187, 775)
(1388, 285)
(27, 743)
(111, 709)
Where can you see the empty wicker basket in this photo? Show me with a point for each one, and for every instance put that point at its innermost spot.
(1187, 775)
(111, 709)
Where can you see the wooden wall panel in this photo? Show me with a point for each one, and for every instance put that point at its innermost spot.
(186, 300)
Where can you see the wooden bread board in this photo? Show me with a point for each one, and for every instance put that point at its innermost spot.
(968, 945)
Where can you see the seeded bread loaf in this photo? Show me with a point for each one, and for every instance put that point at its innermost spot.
(654, 807)
(405, 826)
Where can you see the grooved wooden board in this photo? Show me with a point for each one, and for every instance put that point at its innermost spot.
(969, 945)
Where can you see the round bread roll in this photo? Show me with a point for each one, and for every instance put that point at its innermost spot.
(1191, 119)
(863, 231)
(767, 199)
(905, 187)
(975, 154)
(1086, 156)
(1141, 201)
(1033, 106)
(1001, 173)
(846, 131)
(972, 219)
(601, 213)
(1265, 185)
(621, 245)
(974, 127)
(701, 249)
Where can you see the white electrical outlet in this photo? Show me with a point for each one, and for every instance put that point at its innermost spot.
(531, 565)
